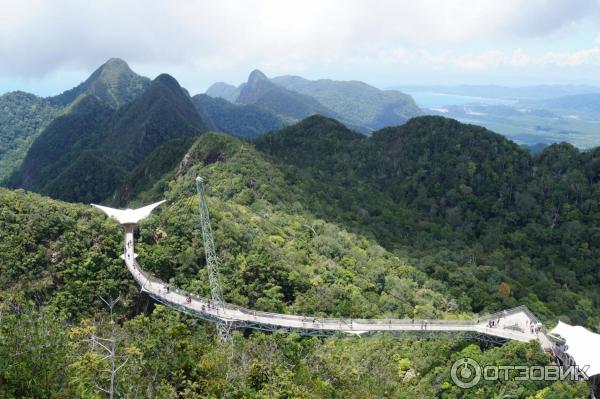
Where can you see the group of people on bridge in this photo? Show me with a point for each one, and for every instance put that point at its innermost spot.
(129, 244)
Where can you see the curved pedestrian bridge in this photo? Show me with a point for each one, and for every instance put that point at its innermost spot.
(517, 324)
(514, 324)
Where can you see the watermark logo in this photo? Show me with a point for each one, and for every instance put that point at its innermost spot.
(467, 373)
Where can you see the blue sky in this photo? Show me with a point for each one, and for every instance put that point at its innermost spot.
(47, 46)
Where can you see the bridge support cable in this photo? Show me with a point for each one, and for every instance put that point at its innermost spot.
(212, 262)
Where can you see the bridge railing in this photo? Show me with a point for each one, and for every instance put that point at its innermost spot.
(508, 312)
(502, 332)
(154, 280)
(324, 321)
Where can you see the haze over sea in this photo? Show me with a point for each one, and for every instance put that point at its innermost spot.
(433, 100)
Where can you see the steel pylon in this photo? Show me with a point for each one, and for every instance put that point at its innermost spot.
(212, 262)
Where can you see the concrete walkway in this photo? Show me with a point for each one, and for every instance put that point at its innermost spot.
(517, 324)
(514, 324)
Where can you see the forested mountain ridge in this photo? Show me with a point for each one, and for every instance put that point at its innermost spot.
(223, 90)
(126, 114)
(260, 91)
(163, 112)
(468, 206)
(236, 119)
(472, 208)
(113, 82)
(110, 142)
(115, 86)
(431, 219)
(259, 223)
(275, 255)
(22, 117)
(61, 141)
(357, 103)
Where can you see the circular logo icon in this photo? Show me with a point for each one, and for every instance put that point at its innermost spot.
(466, 373)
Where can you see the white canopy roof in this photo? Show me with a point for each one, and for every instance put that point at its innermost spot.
(125, 216)
(583, 346)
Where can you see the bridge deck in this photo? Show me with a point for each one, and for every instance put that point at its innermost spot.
(514, 324)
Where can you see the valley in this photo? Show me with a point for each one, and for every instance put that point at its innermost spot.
(529, 116)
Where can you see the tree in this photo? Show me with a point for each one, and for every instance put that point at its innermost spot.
(504, 290)
(104, 358)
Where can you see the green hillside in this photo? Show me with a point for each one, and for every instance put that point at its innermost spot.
(235, 119)
(471, 208)
(223, 90)
(162, 113)
(87, 153)
(22, 117)
(275, 255)
(113, 82)
(61, 143)
(356, 103)
(150, 177)
(260, 91)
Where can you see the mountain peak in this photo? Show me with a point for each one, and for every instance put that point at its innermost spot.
(116, 65)
(320, 120)
(256, 76)
(223, 90)
(170, 83)
(113, 82)
(115, 61)
(167, 79)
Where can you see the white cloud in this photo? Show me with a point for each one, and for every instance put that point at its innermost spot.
(589, 56)
(491, 59)
(38, 36)
(485, 60)
(45, 43)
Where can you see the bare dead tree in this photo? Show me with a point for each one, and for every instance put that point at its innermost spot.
(107, 348)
